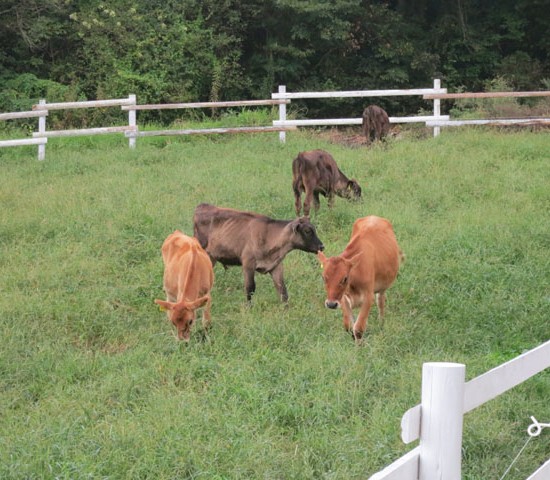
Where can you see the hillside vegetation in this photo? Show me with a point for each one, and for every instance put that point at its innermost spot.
(93, 383)
(205, 50)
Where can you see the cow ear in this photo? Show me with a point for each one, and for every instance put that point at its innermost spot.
(199, 302)
(297, 224)
(322, 258)
(164, 305)
(353, 261)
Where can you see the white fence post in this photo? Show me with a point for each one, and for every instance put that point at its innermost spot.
(282, 114)
(437, 106)
(42, 129)
(441, 421)
(132, 121)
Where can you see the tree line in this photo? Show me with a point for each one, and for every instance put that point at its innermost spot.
(209, 50)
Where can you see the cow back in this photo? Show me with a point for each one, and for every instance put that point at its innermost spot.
(226, 233)
(317, 169)
(188, 270)
(373, 239)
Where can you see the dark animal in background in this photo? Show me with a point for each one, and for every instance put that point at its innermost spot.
(188, 279)
(256, 242)
(315, 172)
(366, 268)
(376, 123)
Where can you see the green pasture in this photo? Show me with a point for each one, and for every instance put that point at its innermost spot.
(93, 384)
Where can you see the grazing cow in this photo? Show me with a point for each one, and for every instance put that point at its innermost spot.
(376, 123)
(315, 172)
(256, 242)
(188, 279)
(367, 266)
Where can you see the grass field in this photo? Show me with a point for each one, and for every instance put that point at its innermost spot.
(94, 385)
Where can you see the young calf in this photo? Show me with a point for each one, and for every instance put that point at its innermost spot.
(315, 172)
(188, 279)
(376, 123)
(367, 266)
(256, 242)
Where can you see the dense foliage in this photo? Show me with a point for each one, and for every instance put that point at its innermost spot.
(196, 50)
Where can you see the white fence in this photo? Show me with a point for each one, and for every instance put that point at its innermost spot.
(204, 131)
(284, 95)
(437, 421)
(41, 142)
(282, 125)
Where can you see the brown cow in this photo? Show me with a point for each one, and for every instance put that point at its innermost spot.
(367, 266)
(256, 242)
(376, 123)
(188, 279)
(315, 172)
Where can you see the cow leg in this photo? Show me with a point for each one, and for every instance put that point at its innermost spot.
(362, 319)
(307, 202)
(330, 200)
(366, 130)
(249, 283)
(279, 282)
(298, 203)
(381, 302)
(206, 314)
(316, 202)
(347, 312)
(380, 131)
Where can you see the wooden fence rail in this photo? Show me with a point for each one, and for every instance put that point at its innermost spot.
(437, 420)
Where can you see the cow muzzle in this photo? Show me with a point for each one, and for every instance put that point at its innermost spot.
(184, 335)
(332, 304)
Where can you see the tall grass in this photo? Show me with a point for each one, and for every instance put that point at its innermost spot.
(94, 385)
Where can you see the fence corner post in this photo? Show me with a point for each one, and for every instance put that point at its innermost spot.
(282, 114)
(132, 123)
(42, 129)
(437, 106)
(441, 421)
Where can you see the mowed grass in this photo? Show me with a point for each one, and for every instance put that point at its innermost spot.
(93, 383)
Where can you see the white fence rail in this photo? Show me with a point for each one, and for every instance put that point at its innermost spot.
(437, 420)
(282, 125)
(133, 134)
(41, 142)
(284, 95)
(42, 106)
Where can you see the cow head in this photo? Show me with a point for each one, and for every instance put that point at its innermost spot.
(336, 271)
(305, 237)
(182, 314)
(352, 190)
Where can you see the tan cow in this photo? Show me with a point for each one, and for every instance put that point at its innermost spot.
(367, 266)
(188, 279)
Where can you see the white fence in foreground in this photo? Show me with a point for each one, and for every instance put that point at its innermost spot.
(437, 421)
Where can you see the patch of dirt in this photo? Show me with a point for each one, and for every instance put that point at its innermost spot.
(354, 138)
